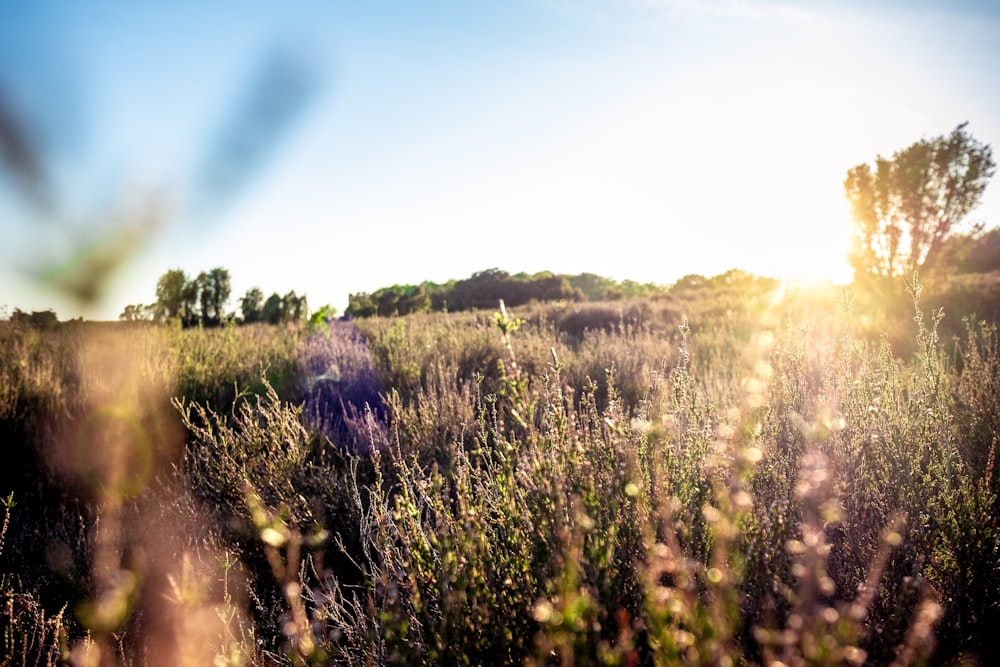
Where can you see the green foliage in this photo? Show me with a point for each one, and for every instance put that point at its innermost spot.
(252, 306)
(907, 206)
(484, 288)
(278, 309)
(201, 300)
(322, 316)
(273, 310)
(170, 295)
(361, 305)
(42, 320)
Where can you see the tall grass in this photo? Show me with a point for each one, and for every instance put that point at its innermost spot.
(733, 479)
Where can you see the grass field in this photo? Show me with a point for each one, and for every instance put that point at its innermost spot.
(738, 474)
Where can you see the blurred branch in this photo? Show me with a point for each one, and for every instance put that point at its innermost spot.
(19, 156)
(99, 245)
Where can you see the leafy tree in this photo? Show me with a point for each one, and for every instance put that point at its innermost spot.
(205, 298)
(905, 208)
(252, 305)
(387, 301)
(361, 305)
(691, 281)
(483, 289)
(593, 286)
(325, 313)
(220, 289)
(414, 299)
(440, 294)
(274, 309)
(170, 290)
(294, 308)
(548, 287)
(189, 313)
(43, 320)
(138, 313)
(199, 301)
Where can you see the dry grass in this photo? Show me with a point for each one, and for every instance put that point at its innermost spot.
(727, 478)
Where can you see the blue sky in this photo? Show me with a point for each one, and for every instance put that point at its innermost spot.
(640, 139)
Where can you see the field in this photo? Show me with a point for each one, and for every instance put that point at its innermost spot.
(737, 474)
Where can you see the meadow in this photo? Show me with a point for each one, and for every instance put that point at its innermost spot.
(725, 475)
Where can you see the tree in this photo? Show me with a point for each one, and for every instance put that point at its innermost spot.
(905, 208)
(294, 308)
(189, 311)
(414, 299)
(138, 313)
(274, 309)
(205, 297)
(220, 288)
(483, 289)
(170, 295)
(43, 320)
(252, 304)
(361, 305)
(593, 286)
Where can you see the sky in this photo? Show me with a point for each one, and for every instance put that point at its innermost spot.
(339, 147)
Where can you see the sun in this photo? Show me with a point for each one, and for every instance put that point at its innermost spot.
(771, 196)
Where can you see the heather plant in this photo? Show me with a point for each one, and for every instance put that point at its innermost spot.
(215, 364)
(340, 386)
(30, 636)
(763, 483)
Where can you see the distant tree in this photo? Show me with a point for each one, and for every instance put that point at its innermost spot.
(550, 287)
(593, 286)
(905, 208)
(441, 295)
(414, 299)
(294, 308)
(387, 301)
(170, 295)
(273, 311)
(43, 320)
(138, 313)
(189, 312)
(220, 288)
(252, 305)
(733, 277)
(977, 252)
(632, 289)
(205, 297)
(690, 282)
(483, 289)
(361, 305)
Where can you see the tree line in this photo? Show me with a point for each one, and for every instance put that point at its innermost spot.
(204, 301)
(484, 288)
(906, 208)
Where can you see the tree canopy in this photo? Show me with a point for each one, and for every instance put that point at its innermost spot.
(170, 295)
(905, 207)
(201, 300)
